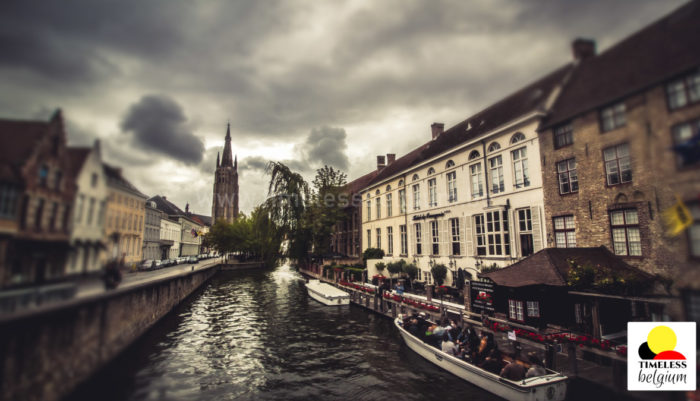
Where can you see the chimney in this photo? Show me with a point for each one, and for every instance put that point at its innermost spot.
(187, 208)
(437, 129)
(380, 162)
(583, 49)
(390, 158)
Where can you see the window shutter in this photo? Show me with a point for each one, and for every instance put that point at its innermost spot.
(514, 231)
(442, 232)
(462, 236)
(536, 229)
(469, 237)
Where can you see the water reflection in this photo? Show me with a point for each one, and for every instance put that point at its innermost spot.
(251, 336)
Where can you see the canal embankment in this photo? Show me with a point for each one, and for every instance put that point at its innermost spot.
(46, 352)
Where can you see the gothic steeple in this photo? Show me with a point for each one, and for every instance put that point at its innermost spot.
(227, 159)
(217, 159)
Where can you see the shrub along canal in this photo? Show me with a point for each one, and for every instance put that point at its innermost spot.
(257, 335)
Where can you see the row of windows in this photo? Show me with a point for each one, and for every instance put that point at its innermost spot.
(491, 235)
(624, 229)
(127, 200)
(516, 310)
(127, 221)
(521, 179)
(91, 217)
(618, 169)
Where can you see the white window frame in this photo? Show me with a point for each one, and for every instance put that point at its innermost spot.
(432, 192)
(416, 196)
(496, 172)
(452, 186)
(454, 227)
(520, 171)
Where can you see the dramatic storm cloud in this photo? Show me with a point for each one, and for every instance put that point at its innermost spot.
(282, 72)
(159, 124)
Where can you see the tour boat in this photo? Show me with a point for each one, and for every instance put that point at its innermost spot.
(550, 387)
(327, 294)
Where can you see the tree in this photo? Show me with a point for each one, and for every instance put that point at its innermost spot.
(327, 207)
(411, 271)
(380, 267)
(395, 268)
(439, 272)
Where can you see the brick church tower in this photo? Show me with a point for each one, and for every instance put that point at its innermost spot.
(225, 202)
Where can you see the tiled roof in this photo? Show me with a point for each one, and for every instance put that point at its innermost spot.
(17, 141)
(550, 266)
(657, 53)
(526, 100)
(356, 185)
(115, 178)
(206, 220)
(76, 159)
(166, 206)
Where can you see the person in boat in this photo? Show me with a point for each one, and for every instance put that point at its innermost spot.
(486, 345)
(536, 368)
(514, 371)
(492, 363)
(448, 346)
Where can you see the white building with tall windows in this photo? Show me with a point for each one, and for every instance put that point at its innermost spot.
(469, 198)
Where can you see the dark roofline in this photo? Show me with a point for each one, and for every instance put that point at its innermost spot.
(114, 176)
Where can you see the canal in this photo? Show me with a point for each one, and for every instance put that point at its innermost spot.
(258, 336)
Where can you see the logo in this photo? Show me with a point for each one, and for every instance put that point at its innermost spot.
(665, 357)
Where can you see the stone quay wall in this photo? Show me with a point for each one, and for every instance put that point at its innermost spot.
(45, 354)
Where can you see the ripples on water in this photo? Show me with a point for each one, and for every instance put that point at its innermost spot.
(257, 335)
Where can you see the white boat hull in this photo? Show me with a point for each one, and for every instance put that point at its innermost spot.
(551, 387)
(327, 294)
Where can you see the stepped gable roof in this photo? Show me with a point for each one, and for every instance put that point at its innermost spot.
(550, 266)
(18, 139)
(115, 178)
(662, 50)
(76, 159)
(528, 99)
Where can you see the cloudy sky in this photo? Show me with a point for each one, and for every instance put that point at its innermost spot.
(305, 82)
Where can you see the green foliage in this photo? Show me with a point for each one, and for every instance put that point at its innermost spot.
(380, 267)
(489, 269)
(395, 267)
(439, 272)
(326, 207)
(411, 271)
(372, 253)
(605, 279)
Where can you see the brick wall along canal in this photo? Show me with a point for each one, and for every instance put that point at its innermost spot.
(257, 335)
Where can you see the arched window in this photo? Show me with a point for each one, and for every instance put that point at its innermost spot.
(517, 137)
(377, 192)
(474, 155)
(449, 164)
(367, 195)
(388, 188)
(415, 177)
(400, 183)
(431, 171)
(494, 146)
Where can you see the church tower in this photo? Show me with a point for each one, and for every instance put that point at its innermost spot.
(225, 202)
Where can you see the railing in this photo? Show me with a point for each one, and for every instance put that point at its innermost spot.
(25, 298)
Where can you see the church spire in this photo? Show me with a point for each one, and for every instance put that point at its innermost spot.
(227, 159)
(217, 159)
(235, 163)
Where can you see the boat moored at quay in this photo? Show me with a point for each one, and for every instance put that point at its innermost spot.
(327, 294)
(549, 387)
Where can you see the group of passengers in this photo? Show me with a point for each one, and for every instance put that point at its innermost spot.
(465, 344)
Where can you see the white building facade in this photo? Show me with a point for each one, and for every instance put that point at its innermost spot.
(170, 232)
(471, 197)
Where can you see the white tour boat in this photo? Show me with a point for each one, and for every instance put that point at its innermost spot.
(327, 294)
(550, 387)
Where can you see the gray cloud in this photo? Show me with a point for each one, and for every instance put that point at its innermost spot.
(258, 163)
(159, 124)
(327, 145)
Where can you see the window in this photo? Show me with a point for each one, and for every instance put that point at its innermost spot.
(369, 210)
(57, 177)
(686, 144)
(694, 230)
(474, 154)
(625, 232)
(480, 234)
(404, 239)
(612, 117)
(419, 249)
(390, 240)
(402, 201)
(93, 180)
(452, 186)
(683, 91)
(497, 236)
(419, 276)
(517, 137)
(79, 209)
(52, 218)
(533, 308)
(432, 192)
(563, 135)
(377, 192)
(388, 188)
(568, 180)
(435, 235)
(91, 210)
(388, 205)
(515, 310)
(428, 277)
(494, 146)
(522, 177)
(39, 214)
(454, 226)
(431, 171)
(8, 201)
(525, 232)
(43, 175)
(400, 183)
(416, 197)
(449, 164)
(496, 171)
(564, 232)
(415, 177)
(477, 177)
(617, 164)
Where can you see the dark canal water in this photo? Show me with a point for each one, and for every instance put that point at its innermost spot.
(258, 336)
